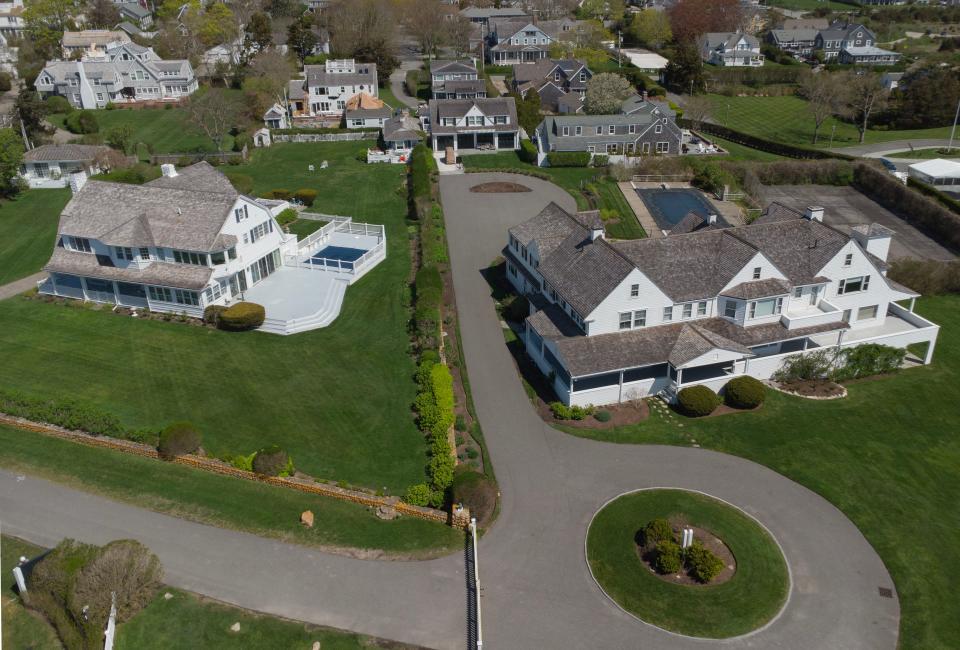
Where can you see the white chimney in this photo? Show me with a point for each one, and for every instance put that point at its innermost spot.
(814, 213)
(875, 239)
(168, 170)
(77, 181)
(711, 219)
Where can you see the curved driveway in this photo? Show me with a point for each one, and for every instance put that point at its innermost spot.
(538, 592)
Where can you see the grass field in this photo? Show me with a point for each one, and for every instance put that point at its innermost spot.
(750, 598)
(887, 456)
(925, 154)
(786, 119)
(338, 399)
(28, 230)
(746, 154)
(571, 179)
(21, 629)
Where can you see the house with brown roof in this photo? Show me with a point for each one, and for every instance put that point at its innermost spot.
(614, 321)
(52, 165)
(320, 98)
(366, 111)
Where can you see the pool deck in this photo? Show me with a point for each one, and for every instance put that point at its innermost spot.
(729, 210)
(640, 208)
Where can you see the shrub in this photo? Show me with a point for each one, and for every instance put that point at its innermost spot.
(177, 439)
(62, 412)
(418, 495)
(745, 392)
(560, 410)
(870, 359)
(702, 563)
(927, 277)
(287, 216)
(428, 277)
(211, 314)
(460, 424)
(305, 196)
(527, 152)
(602, 416)
(668, 557)
(476, 491)
(516, 309)
(242, 316)
(697, 401)
(600, 160)
(798, 367)
(440, 470)
(272, 461)
(656, 531)
(82, 121)
(280, 195)
(242, 462)
(568, 158)
(57, 104)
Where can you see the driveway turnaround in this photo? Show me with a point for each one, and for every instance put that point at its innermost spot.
(537, 589)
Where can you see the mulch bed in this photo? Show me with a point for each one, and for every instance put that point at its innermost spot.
(710, 541)
(620, 415)
(499, 188)
(814, 388)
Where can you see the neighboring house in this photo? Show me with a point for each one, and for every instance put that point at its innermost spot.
(276, 117)
(648, 62)
(891, 80)
(940, 173)
(225, 53)
(521, 41)
(175, 244)
(323, 94)
(11, 19)
(366, 111)
(126, 73)
(398, 137)
(483, 15)
(731, 49)
(470, 124)
(8, 57)
(91, 42)
(643, 128)
(456, 80)
(618, 321)
(130, 29)
(798, 42)
(560, 83)
(51, 165)
(840, 36)
(806, 23)
(136, 14)
(868, 55)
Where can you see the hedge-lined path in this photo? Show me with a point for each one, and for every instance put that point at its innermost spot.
(538, 592)
(398, 86)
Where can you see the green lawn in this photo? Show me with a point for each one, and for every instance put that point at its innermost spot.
(887, 456)
(28, 230)
(220, 500)
(572, 179)
(924, 154)
(305, 227)
(21, 629)
(750, 598)
(810, 5)
(786, 119)
(338, 399)
(746, 154)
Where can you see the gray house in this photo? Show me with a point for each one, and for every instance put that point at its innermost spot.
(799, 42)
(560, 83)
(840, 35)
(456, 80)
(485, 124)
(643, 128)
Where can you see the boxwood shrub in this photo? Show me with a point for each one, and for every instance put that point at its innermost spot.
(211, 314)
(702, 563)
(668, 558)
(744, 392)
(305, 196)
(568, 158)
(177, 439)
(272, 461)
(242, 316)
(82, 121)
(697, 401)
(527, 152)
(656, 531)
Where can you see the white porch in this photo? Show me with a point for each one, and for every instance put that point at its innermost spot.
(342, 247)
(298, 300)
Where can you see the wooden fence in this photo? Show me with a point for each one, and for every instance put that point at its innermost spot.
(323, 137)
(184, 159)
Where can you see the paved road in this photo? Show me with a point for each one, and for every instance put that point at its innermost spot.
(397, 86)
(19, 286)
(880, 149)
(538, 592)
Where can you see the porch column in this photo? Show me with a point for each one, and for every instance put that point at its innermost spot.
(805, 341)
(516, 140)
(620, 393)
(912, 302)
(474, 140)
(116, 293)
(929, 356)
(83, 287)
(679, 376)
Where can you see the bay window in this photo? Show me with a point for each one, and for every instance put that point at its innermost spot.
(767, 307)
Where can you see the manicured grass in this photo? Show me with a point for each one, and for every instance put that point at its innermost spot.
(746, 154)
(887, 456)
(219, 500)
(338, 399)
(787, 119)
(924, 154)
(750, 598)
(21, 628)
(202, 623)
(386, 94)
(810, 5)
(28, 230)
(572, 179)
(304, 227)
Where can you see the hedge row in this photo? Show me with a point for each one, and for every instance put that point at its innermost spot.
(942, 198)
(568, 158)
(428, 289)
(755, 77)
(434, 405)
(913, 207)
(527, 152)
(762, 144)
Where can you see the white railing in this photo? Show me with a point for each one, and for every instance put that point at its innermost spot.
(352, 267)
(475, 586)
(318, 236)
(824, 313)
(661, 178)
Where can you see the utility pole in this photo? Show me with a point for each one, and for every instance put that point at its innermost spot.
(619, 47)
(954, 128)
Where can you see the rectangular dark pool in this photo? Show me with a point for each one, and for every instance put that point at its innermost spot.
(337, 256)
(668, 207)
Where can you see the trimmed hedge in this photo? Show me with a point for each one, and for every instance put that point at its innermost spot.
(942, 198)
(322, 130)
(305, 196)
(656, 531)
(242, 316)
(600, 160)
(434, 406)
(744, 392)
(702, 563)
(563, 412)
(212, 313)
(697, 401)
(568, 158)
(527, 152)
(177, 439)
(669, 557)
(272, 461)
(70, 414)
(762, 144)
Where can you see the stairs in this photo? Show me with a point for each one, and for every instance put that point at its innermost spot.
(321, 318)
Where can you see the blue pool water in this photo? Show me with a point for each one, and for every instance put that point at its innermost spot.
(330, 255)
(668, 207)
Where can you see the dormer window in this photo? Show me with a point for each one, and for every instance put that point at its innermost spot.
(730, 309)
(80, 244)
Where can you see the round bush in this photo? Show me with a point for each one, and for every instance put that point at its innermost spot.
(270, 461)
(177, 439)
(57, 104)
(702, 563)
(668, 559)
(656, 531)
(745, 392)
(602, 416)
(211, 314)
(242, 316)
(697, 401)
(305, 196)
(82, 122)
(476, 491)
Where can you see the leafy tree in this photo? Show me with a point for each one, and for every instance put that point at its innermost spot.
(11, 156)
(120, 137)
(528, 111)
(365, 30)
(459, 30)
(931, 100)
(603, 9)
(824, 95)
(690, 19)
(651, 28)
(864, 96)
(605, 93)
(283, 8)
(380, 53)
(103, 14)
(300, 37)
(218, 25)
(214, 113)
(684, 73)
(29, 110)
(258, 34)
(46, 20)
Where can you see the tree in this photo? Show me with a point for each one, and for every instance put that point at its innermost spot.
(46, 20)
(283, 8)
(267, 80)
(258, 33)
(214, 113)
(697, 109)
(824, 98)
(651, 28)
(120, 137)
(11, 156)
(865, 94)
(380, 53)
(605, 93)
(111, 159)
(427, 23)
(300, 37)
(603, 9)
(931, 100)
(459, 30)
(29, 110)
(218, 25)
(691, 19)
(684, 73)
(528, 111)
(367, 26)
(103, 14)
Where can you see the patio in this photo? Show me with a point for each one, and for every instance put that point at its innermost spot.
(297, 299)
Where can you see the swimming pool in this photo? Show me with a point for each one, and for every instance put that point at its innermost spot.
(337, 257)
(668, 207)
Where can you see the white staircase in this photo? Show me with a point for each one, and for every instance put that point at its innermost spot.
(328, 311)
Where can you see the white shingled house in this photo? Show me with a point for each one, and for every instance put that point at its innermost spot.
(188, 240)
(616, 321)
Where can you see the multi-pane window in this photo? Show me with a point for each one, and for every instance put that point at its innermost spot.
(866, 313)
(81, 244)
(798, 292)
(848, 259)
(626, 319)
(640, 318)
(186, 297)
(161, 294)
(218, 258)
(668, 313)
(662, 147)
(702, 308)
(688, 310)
(756, 273)
(261, 230)
(730, 309)
(632, 129)
(188, 257)
(853, 285)
(634, 290)
(612, 129)
(144, 253)
(768, 307)
(240, 213)
(123, 253)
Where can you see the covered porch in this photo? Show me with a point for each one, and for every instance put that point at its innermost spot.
(476, 141)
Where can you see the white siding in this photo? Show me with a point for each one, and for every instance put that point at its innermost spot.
(877, 293)
(606, 317)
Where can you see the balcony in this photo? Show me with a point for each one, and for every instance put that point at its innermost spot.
(810, 315)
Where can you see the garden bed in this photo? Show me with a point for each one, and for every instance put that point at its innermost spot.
(812, 388)
(623, 414)
(499, 188)
(710, 541)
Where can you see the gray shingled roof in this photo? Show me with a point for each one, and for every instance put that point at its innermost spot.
(179, 276)
(551, 226)
(64, 152)
(447, 66)
(584, 272)
(317, 75)
(764, 334)
(754, 289)
(199, 177)
(800, 248)
(400, 128)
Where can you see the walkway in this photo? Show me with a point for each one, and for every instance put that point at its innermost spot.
(398, 87)
(11, 289)
(629, 191)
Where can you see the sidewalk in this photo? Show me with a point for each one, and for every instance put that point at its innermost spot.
(19, 286)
